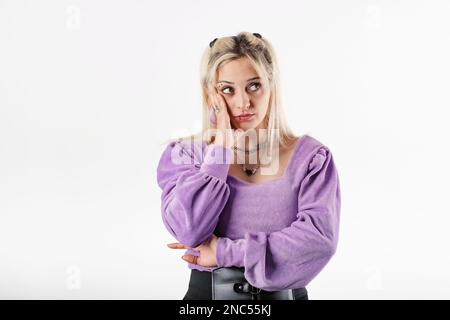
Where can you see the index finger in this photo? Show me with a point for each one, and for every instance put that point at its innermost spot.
(177, 245)
(220, 99)
(212, 95)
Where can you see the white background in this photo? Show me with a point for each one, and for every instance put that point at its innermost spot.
(90, 90)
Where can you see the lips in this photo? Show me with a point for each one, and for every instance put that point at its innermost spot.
(245, 116)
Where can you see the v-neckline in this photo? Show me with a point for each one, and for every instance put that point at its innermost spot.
(283, 176)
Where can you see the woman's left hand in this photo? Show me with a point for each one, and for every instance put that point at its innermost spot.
(207, 249)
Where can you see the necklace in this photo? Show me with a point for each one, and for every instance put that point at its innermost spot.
(258, 146)
(249, 171)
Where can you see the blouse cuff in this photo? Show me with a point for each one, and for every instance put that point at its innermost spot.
(230, 252)
(217, 161)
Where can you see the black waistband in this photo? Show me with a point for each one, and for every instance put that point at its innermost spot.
(200, 285)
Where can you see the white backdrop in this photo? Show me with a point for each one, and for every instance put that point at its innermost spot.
(89, 91)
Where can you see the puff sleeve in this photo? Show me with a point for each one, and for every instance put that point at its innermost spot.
(293, 256)
(194, 190)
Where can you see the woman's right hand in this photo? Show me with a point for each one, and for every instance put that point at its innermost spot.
(224, 134)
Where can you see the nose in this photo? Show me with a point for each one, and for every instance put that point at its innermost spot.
(242, 101)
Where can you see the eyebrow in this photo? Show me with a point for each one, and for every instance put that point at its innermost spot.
(233, 82)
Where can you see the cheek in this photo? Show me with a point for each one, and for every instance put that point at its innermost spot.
(263, 93)
(227, 101)
(263, 103)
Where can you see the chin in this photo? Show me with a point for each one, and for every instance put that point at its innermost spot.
(248, 125)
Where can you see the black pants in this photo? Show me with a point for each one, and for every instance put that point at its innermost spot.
(200, 287)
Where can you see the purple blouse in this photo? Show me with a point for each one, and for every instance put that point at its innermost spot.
(282, 231)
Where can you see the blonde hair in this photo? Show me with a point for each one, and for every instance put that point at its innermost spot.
(262, 57)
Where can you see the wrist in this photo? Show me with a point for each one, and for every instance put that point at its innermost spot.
(230, 252)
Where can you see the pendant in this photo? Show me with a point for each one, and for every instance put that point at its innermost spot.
(249, 171)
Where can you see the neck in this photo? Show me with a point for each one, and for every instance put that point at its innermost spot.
(251, 141)
(249, 146)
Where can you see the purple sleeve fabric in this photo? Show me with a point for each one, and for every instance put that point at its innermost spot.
(293, 256)
(193, 192)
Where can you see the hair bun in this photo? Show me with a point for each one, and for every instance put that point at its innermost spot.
(212, 43)
(257, 35)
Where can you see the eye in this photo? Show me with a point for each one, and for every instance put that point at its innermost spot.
(258, 85)
(223, 90)
(254, 84)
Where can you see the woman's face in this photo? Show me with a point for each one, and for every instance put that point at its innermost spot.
(245, 93)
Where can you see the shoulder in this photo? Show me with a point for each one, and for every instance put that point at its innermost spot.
(187, 145)
(184, 151)
(315, 152)
(310, 154)
(178, 156)
(311, 144)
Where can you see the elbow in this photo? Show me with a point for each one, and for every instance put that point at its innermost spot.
(186, 230)
(192, 239)
(329, 248)
(189, 236)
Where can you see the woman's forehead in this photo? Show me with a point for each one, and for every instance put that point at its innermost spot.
(236, 72)
(237, 76)
(236, 67)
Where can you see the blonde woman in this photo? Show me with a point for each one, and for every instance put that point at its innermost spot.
(255, 207)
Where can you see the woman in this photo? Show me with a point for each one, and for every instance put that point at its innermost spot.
(270, 209)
